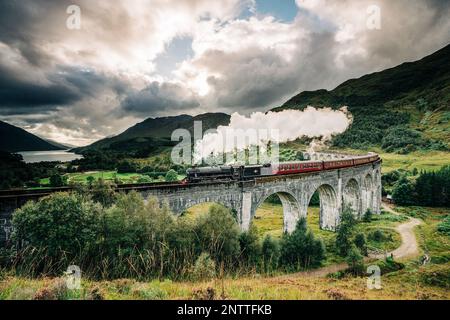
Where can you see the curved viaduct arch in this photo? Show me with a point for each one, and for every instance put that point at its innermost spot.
(291, 209)
(367, 193)
(329, 206)
(351, 196)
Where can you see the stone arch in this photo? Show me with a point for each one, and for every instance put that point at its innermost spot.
(351, 196)
(367, 193)
(291, 209)
(329, 207)
(233, 212)
(183, 206)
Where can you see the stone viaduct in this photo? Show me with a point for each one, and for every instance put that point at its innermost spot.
(358, 187)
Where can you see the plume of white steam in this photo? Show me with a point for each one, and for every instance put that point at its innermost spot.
(287, 125)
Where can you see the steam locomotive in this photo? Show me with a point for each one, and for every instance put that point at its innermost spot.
(242, 173)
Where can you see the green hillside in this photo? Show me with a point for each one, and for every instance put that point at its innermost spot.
(14, 139)
(401, 109)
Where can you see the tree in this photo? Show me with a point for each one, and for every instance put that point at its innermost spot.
(345, 231)
(300, 249)
(61, 223)
(355, 260)
(218, 234)
(90, 180)
(367, 215)
(403, 192)
(103, 192)
(250, 247)
(171, 176)
(360, 243)
(56, 181)
(270, 251)
(126, 166)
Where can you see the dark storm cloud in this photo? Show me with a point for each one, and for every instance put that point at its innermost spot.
(159, 98)
(63, 87)
(18, 20)
(16, 93)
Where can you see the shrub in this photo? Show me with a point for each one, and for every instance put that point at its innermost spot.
(367, 216)
(270, 251)
(300, 249)
(250, 247)
(62, 223)
(439, 278)
(378, 236)
(444, 226)
(103, 192)
(126, 166)
(56, 181)
(218, 234)
(390, 265)
(360, 243)
(171, 176)
(204, 268)
(355, 261)
(149, 293)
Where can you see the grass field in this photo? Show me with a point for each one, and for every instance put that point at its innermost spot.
(82, 177)
(415, 281)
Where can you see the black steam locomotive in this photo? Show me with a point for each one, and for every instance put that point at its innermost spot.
(233, 172)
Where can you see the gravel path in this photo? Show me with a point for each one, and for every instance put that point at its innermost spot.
(409, 246)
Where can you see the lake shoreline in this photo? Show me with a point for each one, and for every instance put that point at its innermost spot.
(49, 156)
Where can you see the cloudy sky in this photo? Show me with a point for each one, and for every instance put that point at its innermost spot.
(130, 60)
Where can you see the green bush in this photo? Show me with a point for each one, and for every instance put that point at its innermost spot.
(270, 251)
(355, 261)
(300, 249)
(218, 234)
(390, 265)
(368, 216)
(439, 277)
(377, 236)
(61, 223)
(204, 268)
(444, 226)
(57, 180)
(171, 176)
(250, 247)
(360, 243)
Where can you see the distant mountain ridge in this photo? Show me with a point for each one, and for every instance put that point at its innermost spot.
(15, 139)
(154, 134)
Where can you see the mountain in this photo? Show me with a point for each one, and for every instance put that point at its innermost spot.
(153, 135)
(15, 139)
(412, 99)
(64, 146)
